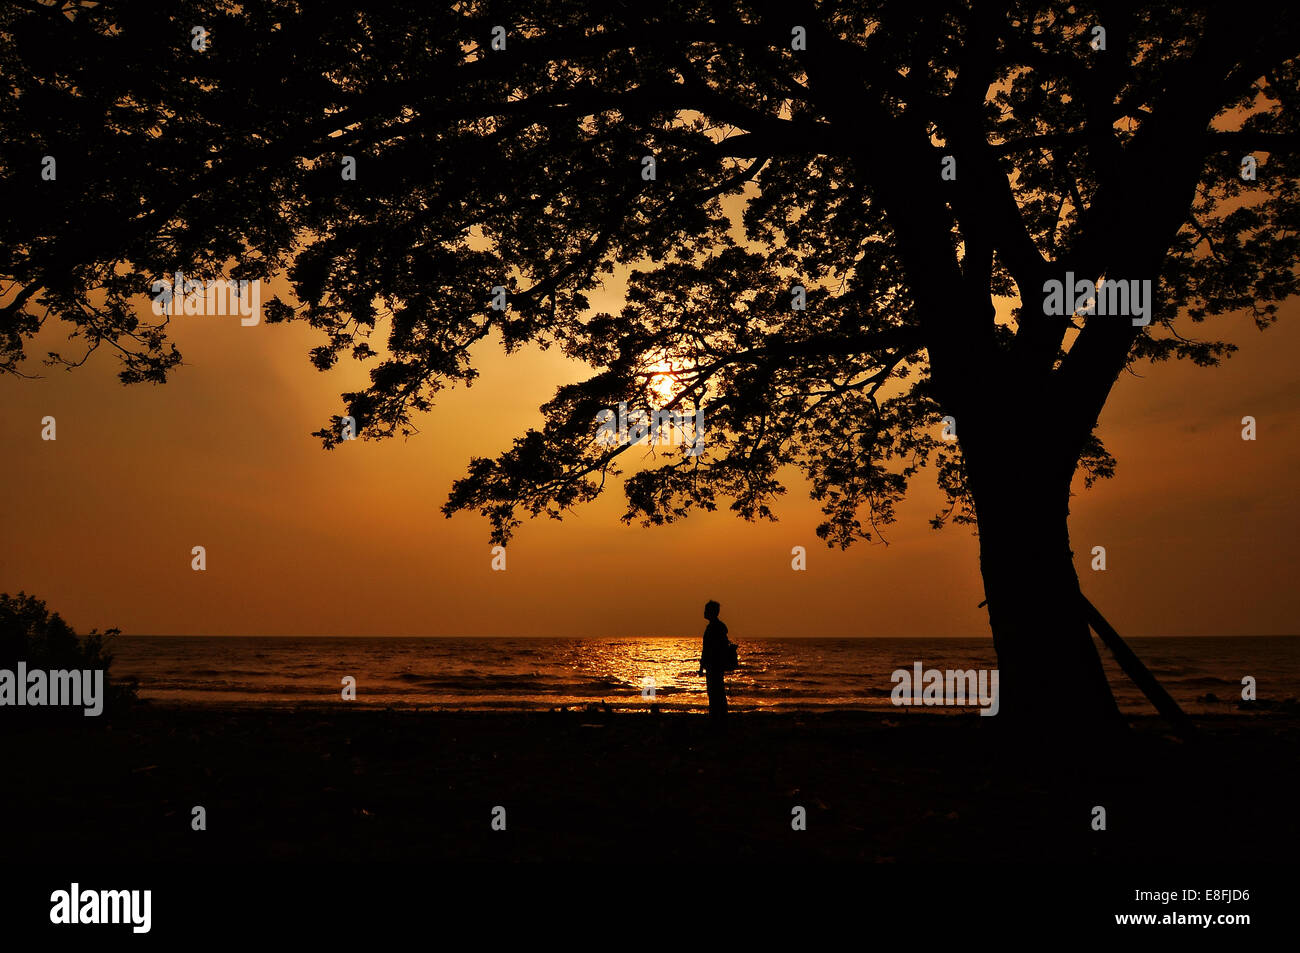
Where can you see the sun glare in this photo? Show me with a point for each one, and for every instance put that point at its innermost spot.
(665, 379)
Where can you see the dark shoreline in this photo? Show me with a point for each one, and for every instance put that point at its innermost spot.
(330, 783)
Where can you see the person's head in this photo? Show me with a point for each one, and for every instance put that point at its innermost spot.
(711, 609)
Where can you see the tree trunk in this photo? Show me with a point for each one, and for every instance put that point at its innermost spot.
(1050, 677)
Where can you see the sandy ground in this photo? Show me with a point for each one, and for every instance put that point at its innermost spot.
(623, 788)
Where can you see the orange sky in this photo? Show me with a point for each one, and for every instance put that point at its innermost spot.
(1200, 527)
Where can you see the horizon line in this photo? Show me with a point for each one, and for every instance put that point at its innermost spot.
(750, 638)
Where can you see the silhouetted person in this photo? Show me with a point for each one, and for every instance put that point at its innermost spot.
(713, 660)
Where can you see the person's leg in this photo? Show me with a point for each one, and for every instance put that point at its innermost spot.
(717, 696)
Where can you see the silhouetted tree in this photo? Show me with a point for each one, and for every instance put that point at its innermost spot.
(793, 143)
(30, 633)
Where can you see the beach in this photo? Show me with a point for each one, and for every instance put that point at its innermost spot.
(623, 789)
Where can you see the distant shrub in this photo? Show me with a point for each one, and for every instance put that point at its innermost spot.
(30, 633)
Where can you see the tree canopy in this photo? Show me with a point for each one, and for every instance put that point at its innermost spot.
(793, 144)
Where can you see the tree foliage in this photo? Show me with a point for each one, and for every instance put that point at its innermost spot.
(29, 632)
(522, 167)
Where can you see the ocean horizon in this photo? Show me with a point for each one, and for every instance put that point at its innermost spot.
(1203, 673)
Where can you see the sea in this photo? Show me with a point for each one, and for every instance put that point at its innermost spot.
(1203, 674)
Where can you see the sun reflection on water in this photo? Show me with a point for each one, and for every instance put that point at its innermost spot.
(672, 665)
